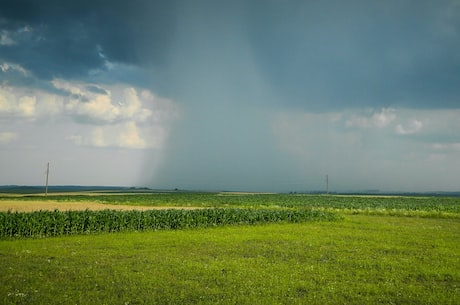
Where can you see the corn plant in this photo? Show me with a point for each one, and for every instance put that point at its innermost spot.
(56, 223)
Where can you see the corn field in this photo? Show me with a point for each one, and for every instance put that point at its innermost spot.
(408, 203)
(57, 223)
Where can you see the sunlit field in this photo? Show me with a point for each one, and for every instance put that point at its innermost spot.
(244, 249)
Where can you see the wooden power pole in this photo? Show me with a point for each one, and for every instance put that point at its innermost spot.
(47, 174)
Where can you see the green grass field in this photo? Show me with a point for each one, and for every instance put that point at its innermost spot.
(404, 251)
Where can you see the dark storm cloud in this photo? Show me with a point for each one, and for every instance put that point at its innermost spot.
(314, 55)
(73, 38)
(331, 54)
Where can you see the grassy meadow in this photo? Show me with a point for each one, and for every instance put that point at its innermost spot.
(379, 250)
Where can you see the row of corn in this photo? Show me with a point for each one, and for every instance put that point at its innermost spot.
(57, 223)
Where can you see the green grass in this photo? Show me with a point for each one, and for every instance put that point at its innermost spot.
(361, 260)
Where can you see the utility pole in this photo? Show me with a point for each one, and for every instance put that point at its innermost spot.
(327, 184)
(47, 174)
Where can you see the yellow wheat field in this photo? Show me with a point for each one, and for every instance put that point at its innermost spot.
(30, 206)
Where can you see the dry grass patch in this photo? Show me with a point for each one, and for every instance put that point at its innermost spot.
(30, 206)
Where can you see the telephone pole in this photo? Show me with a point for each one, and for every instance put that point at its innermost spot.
(47, 174)
(327, 184)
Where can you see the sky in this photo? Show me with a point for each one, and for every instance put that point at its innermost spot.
(241, 95)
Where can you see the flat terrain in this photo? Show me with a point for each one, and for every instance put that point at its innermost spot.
(384, 250)
(361, 260)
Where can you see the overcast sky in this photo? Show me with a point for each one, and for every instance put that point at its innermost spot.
(231, 95)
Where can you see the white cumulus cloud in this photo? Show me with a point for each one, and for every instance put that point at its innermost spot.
(130, 137)
(379, 119)
(10, 67)
(108, 115)
(413, 127)
(384, 117)
(26, 105)
(12, 105)
(109, 104)
(127, 135)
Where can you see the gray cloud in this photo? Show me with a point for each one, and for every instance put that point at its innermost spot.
(332, 54)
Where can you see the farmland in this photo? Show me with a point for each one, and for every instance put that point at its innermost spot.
(234, 249)
(389, 205)
(55, 223)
